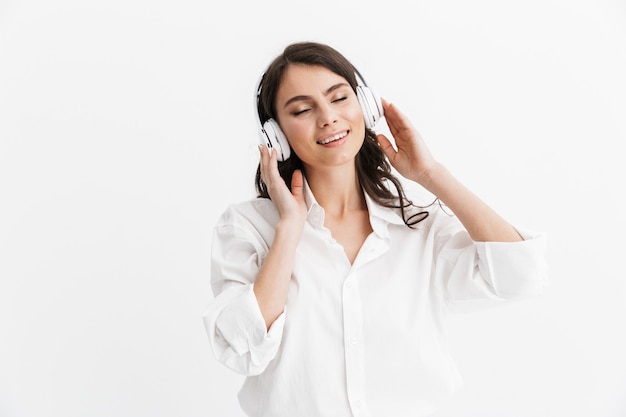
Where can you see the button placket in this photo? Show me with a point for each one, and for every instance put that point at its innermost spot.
(354, 353)
(372, 248)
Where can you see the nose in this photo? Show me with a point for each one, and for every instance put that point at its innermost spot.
(326, 115)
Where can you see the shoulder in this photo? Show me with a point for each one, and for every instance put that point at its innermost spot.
(250, 214)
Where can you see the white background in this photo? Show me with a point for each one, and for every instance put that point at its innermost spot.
(126, 127)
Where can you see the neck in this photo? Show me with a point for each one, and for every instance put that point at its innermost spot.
(337, 190)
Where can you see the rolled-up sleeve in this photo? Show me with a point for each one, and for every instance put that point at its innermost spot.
(473, 275)
(515, 270)
(237, 333)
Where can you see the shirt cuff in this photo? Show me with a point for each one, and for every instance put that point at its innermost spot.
(242, 326)
(515, 269)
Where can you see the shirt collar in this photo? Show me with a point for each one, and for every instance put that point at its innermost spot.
(380, 216)
(315, 212)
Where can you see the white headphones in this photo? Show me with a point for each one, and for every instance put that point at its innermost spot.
(272, 136)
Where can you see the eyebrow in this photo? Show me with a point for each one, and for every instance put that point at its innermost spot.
(327, 92)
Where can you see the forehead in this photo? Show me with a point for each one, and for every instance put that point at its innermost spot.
(306, 80)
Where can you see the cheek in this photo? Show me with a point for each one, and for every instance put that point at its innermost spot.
(357, 119)
(295, 130)
(356, 115)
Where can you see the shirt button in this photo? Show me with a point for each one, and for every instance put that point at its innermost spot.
(358, 404)
(348, 285)
(353, 340)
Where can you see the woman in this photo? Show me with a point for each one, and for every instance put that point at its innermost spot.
(332, 287)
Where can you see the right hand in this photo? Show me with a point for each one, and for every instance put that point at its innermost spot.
(290, 204)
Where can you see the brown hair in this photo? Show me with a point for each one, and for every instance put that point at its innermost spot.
(373, 168)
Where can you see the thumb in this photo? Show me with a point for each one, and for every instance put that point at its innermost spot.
(297, 184)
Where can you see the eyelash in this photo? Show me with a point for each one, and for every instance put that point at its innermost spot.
(298, 113)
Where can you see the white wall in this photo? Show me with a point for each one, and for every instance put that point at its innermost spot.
(126, 127)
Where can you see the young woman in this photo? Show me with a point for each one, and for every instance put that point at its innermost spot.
(331, 287)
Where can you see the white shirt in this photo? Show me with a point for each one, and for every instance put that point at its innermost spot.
(362, 340)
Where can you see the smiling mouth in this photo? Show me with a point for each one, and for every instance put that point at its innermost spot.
(333, 138)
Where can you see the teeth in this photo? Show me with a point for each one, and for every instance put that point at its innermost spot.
(333, 138)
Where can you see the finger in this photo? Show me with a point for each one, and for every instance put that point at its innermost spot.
(268, 163)
(263, 161)
(389, 111)
(386, 145)
(273, 157)
(396, 120)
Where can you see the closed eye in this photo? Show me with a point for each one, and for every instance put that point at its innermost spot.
(302, 111)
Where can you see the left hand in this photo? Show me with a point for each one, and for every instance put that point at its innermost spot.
(412, 159)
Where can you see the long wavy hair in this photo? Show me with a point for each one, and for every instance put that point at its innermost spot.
(372, 167)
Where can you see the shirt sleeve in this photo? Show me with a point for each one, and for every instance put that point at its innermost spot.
(473, 275)
(237, 333)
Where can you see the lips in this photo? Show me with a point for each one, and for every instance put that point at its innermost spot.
(333, 138)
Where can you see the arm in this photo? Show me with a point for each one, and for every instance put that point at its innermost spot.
(238, 334)
(496, 266)
(250, 278)
(272, 282)
(414, 161)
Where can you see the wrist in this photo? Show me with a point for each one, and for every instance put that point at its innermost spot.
(289, 229)
(430, 177)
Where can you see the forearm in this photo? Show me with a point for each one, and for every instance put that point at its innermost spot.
(481, 221)
(272, 283)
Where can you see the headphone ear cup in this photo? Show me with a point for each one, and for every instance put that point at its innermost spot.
(274, 137)
(370, 105)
